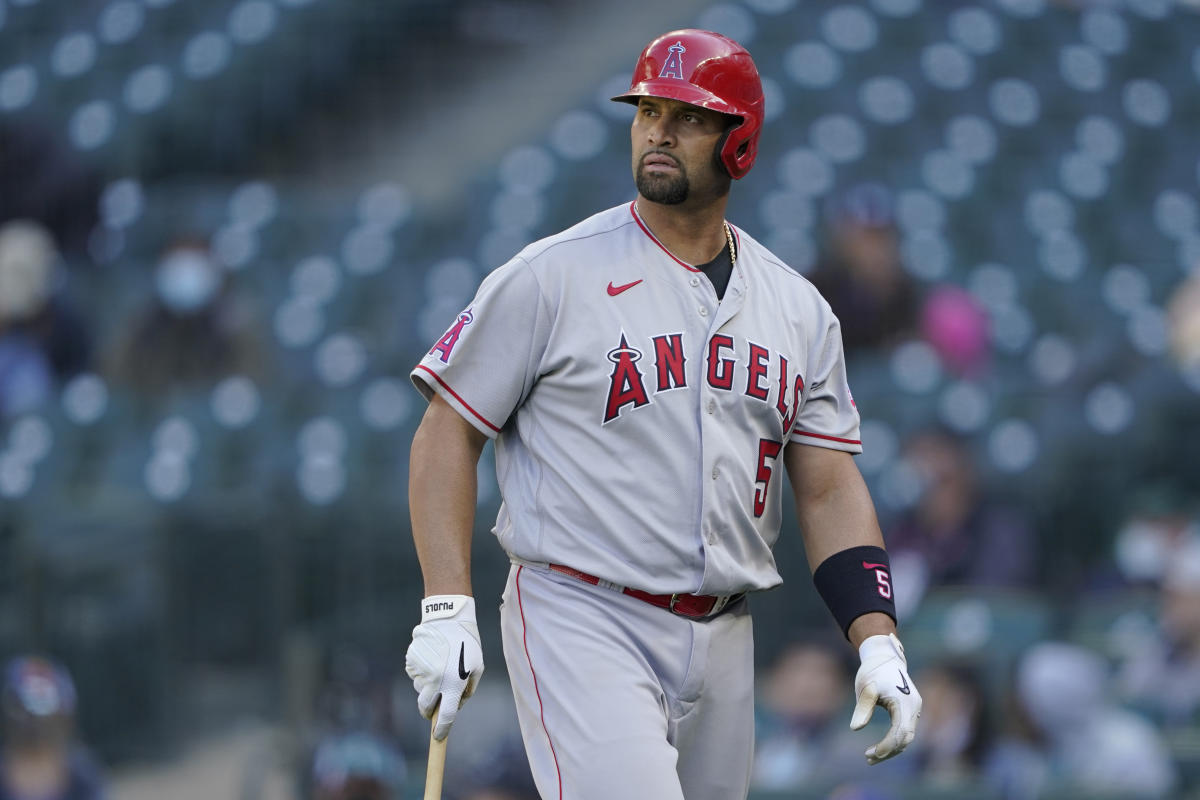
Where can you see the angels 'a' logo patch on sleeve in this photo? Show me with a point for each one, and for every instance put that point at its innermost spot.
(445, 345)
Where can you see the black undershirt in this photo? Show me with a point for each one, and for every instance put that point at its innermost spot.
(718, 271)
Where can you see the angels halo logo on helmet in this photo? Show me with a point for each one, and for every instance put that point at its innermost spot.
(674, 66)
(708, 70)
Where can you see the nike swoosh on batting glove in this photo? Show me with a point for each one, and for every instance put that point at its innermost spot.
(883, 680)
(445, 660)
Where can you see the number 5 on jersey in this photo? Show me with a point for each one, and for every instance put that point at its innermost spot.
(768, 450)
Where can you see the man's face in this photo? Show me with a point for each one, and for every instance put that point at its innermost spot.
(673, 152)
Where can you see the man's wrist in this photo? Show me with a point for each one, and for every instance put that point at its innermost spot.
(875, 623)
(449, 582)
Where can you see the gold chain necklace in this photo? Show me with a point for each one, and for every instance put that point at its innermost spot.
(729, 239)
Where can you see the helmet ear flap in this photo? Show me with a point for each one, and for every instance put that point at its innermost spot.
(727, 156)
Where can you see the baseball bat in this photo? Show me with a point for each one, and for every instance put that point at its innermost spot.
(436, 764)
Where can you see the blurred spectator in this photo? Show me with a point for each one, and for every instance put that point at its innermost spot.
(802, 729)
(355, 728)
(861, 276)
(490, 761)
(41, 340)
(193, 333)
(957, 328)
(1078, 738)
(357, 766)
(1183, 320)
(497, 793)
(955, 535)
(503, 775)
(955, 728)
(854, 792)
(357, 693)
(42, 177)
(41, 759)
(1161, 523)
(1163, 675)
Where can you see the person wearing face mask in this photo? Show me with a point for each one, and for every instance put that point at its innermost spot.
(861, 274)
(1160, 675)
(1161, 522)
(957, 726)
(192, 333)
(357, 766)
(956, 533)
(40, 758)
(1073, 737)
(42, 341)
(800, 740)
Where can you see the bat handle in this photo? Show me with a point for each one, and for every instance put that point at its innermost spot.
(437, 763)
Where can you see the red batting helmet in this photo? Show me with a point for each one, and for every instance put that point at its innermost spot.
(708, 70)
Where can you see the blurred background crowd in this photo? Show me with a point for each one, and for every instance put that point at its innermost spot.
(229, 228)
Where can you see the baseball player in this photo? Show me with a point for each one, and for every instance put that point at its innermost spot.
(647, 375)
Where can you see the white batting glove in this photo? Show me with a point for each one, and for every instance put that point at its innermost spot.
(882, 680)
(445, 659)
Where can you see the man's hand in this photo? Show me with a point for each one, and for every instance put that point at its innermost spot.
(445, 659)
(883, 680)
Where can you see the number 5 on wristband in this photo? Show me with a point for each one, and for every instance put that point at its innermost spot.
(856, 581)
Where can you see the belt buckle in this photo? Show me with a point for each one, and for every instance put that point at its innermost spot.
(671, 605)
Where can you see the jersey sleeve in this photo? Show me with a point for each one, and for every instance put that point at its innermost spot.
(828, 417)
(487, 361)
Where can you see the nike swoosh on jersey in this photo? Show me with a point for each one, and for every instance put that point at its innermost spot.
(869, 565)
(462, 661)
(613, 291)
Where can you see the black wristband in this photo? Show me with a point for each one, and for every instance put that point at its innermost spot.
(854, 582)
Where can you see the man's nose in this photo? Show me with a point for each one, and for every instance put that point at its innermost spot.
(662, 133)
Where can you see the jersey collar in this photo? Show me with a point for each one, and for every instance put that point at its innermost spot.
(737, 235)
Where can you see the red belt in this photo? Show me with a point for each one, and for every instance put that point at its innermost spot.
(693, 606)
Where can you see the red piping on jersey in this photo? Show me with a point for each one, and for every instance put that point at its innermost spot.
(653, 238)
(465, 404)
(830, 438)
(541, 708)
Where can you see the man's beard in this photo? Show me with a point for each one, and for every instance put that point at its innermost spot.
(669, 191)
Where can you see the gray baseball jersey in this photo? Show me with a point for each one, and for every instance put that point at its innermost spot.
(639, 421)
